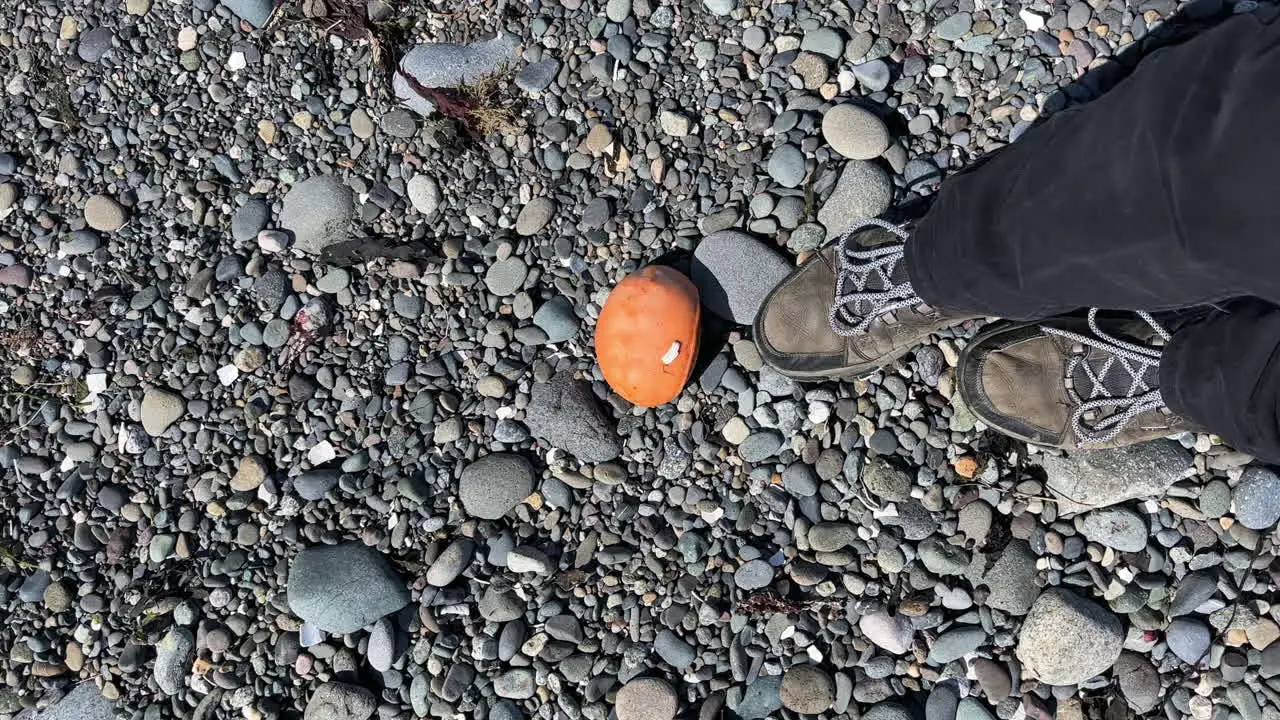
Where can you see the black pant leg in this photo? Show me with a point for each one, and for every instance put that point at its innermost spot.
(1161, 194)
(1223, 373)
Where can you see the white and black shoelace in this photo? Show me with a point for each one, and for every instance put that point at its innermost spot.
(864, 281)
(1113, 406)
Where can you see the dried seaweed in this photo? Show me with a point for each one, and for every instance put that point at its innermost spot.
(767, 603)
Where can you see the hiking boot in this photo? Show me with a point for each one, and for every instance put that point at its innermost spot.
(1068, 383)
(847, 311)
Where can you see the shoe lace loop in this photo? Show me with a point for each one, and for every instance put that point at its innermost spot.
(856, 304)
(1118, 406)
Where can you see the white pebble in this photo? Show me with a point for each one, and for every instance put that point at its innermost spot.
(273, 241)
(236, 61)
(187, 39)
(228, 374)
(1032, 20)
(321, 453)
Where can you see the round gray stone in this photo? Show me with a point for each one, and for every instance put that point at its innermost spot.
(318, 211)
(104, 213)
(954, 27)
(807, 689)
(566, 414)
(159, 410)
(787, 166)
(451, 562)
(535, 216)
(863, 191)
(855, 132)
(1067, 639)
(342, 588)
(873, 74)
(1256, 500)
(340, 701)
(753, 575)
(249, 220)
(1115, 527)
(1189, 639)
(760, 445)
(424, 194)
(538, 76)
(174, 653)
(505, 277)
(557, 319)
(94, 44)
(491, 486)
(734, 273)
(646, 699)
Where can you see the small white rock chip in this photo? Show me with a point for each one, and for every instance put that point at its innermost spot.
(321, 453)
(227, 374)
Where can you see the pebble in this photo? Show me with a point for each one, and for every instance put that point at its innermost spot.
(863, 191)
(1139, 682)
(1067, 639)
(104, 214)
(451, 563)
(973, 709)
(646, 698)
(537, 77)
(874, 75)
(505, 277)
(342, 588)
(159, 410)
(1256, 499)
(340, 701)
(1115, 527)
(19, 276)
(892, 633)
(1189, 639)
(557, 319)
(674, 651)
(956, 643)
(787, 166)
(518, 684)
(318, 212)
(382, 645)
(173, 660)
(760, 445)
(954, 27)
(535, 215)
(807, 690)
(674, 124)
(734, 273)
(424, 194)
(854, 132)
(1100, 478)
(254, 12)
(94, 45)
(491, 486)
(448, 65)
(720, 7)
(753, 575)
(1009, 576)
(567, 415)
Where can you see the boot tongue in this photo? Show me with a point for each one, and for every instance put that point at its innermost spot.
(875, 283)
(1114, 380)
